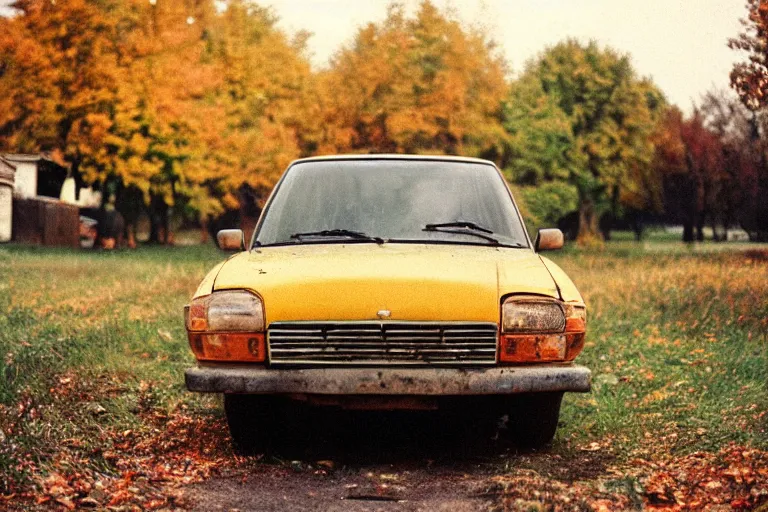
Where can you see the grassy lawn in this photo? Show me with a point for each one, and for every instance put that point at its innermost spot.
(92, 352)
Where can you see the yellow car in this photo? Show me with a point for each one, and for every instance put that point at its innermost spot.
(388, 282)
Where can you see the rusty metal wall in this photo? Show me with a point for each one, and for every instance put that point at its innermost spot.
(43, 221)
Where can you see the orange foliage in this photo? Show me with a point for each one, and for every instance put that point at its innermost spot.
(176, 101)
(421, 85)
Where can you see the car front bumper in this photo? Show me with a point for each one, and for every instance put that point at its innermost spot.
(389, 381)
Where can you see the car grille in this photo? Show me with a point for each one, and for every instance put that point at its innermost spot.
(373, 343)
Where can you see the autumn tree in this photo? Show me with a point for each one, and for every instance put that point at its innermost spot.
(265, 96)
(168, 104)
(89, 109)
(28, 95)
(217, 100)
(742, 136)
(750, 80)
(691, 159)
(155, 141)
(537, 156)
(59, 76)
(413, 85)
(580, 116)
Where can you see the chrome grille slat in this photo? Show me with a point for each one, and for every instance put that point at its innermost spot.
(387, 350)
(377, 346)
(383, 354)
(388, 342)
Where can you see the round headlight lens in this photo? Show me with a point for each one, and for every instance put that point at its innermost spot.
(226, 311)
(529, 315)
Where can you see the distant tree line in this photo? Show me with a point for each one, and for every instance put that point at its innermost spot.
(179, 109)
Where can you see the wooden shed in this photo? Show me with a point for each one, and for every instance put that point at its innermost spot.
(46, 221)
(31, 205)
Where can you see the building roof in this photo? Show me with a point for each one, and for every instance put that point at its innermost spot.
(29, 157)
(19, 157)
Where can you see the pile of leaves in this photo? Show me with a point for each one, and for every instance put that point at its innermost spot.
(142, 470)
(148, 467)
(529, 490)
(736, 476)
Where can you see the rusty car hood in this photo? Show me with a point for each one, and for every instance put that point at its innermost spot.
(422, 282)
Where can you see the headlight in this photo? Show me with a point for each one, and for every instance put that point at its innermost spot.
(226, 311)
(226, 326)
(575, 317)
(540, 329)
(532, 314)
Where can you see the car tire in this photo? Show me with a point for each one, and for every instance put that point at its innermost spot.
(532, 419)
(251, 420)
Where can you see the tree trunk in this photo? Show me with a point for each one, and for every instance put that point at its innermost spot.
(607, 222)
(158, 221)
(690, 197)
(638, 227)
(713, 223)
(154, 227)
(688, 231)
(131, 235)
(169, 237)
(700, 228)
(638, 232)
(589, 227)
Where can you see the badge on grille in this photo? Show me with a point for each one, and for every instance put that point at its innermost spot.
(384, 313)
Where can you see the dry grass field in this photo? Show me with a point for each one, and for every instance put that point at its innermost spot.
(93, 411)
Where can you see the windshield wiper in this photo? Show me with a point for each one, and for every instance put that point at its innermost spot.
(458, 224)
(332, 233)
(463, 228)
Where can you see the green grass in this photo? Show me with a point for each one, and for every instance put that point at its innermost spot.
(88, 341)
(678, 349)
(92, 341)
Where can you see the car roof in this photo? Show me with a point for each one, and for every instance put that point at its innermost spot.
(403, 157)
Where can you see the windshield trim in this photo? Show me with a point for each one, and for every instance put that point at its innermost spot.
(528, 242)
(409, 241)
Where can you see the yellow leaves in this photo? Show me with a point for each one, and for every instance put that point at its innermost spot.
(137, 171)
(230, 201)
(138, 144)
(658, 395)
(412, 85)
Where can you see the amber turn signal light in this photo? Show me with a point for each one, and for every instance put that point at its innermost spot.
(540, 348)
(228, 347)
(575, 331)
(519, 348)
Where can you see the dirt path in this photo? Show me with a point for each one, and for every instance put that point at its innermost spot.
(363, 489)
(385, 461)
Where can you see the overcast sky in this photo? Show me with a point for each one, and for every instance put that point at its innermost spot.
(681, 44)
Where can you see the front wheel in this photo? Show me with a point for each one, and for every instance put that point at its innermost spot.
(251, 420)
(532, 418)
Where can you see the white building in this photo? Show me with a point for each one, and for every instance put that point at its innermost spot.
(38, 175)
(7, 179)
(26, 173)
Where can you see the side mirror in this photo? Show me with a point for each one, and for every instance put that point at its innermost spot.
(549, 240)
(231, 240)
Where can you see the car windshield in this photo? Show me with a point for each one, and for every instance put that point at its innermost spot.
(341, 201)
